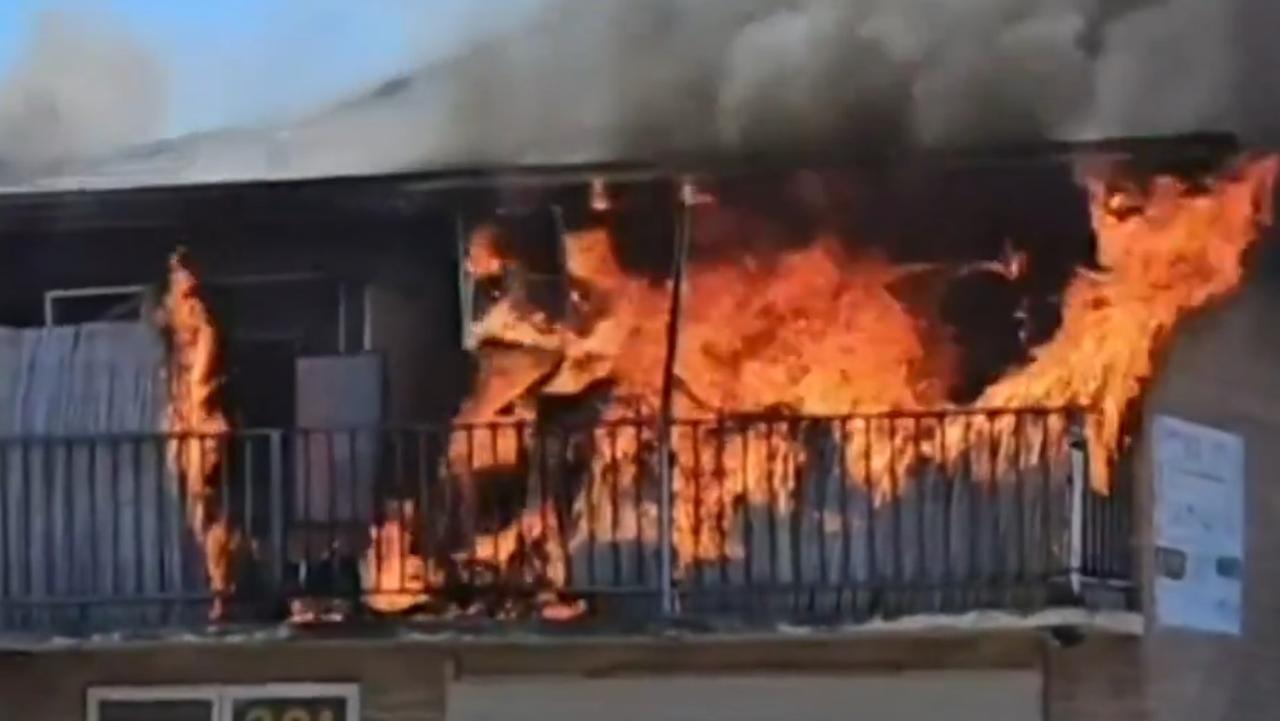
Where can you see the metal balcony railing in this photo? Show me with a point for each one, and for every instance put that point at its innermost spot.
(769, 519)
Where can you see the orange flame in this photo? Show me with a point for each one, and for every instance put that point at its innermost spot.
(396, 577)
(196, 422)
(1165, 253)
(817, 332)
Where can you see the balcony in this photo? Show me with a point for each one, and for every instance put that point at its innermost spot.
(769, 520)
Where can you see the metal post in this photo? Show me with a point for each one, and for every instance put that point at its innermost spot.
(277, 511)
(1079, 444)
(666, 513)
(466, 284)
(366, 321)
(342, 318)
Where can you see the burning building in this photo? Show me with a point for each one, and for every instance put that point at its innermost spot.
(493, 444)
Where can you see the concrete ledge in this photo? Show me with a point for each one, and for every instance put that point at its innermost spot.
(1085, 622)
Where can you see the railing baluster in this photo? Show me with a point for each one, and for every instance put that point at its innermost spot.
(496, 458)
(243, 446)
(64, 482)
(49, 505)
(425, 476)
(947, 572)
(1124, 542)
(1101, 565)
(385, 510)
(7, 544)
(162, 552)
(563, 514)
(693, 486)
(897, 493)
(360, 497)
(821, 436)
(720, 475)
(846, 535)
(1045, 538)
(201, 480)
(516, 505)
(1101, 519)
(547, 513)
(638, 508)
(335, 474)
(223, 513)
(921, 487)
(615, 476)
(869, 489)
(303, 521)
(1078, 488)
(794, 437)
(382, 512)
(527, 491)
(1020, 502)
(139, 512)
(27, 518)
(995, 549)
(767, 468)
(748, 508)
(449, 508)
(276, 447)
(466, 494)
(13, 544)
(973, 532)
(114, 510)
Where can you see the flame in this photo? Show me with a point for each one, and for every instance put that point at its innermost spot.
(1165, 253)
(196, 422)
(817, 332)
(396, 577)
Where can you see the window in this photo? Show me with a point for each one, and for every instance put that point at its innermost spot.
(270, 702)
(85, 305)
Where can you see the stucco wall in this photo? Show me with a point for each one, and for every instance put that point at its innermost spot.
(397, 683)
(407, 682)
(1224, 371)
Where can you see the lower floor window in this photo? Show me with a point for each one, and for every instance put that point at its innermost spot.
(269, 702)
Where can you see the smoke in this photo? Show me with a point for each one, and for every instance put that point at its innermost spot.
(79, 90)
(603, 78)
(1257, 85)
(591, 80)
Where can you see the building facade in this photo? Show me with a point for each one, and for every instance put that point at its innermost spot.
(378, 531)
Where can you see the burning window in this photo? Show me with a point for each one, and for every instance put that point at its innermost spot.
(802, 302)
(534, 289)
(812, 302)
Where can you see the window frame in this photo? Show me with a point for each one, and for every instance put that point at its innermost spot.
(221, 697)
(229, 694)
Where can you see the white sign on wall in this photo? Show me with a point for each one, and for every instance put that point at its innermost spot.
(1199, 526)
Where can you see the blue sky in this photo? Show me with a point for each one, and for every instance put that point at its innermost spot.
(233, 62)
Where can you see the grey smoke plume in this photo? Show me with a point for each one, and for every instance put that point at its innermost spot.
(78, 90)
(603, 78)
(594, 80)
